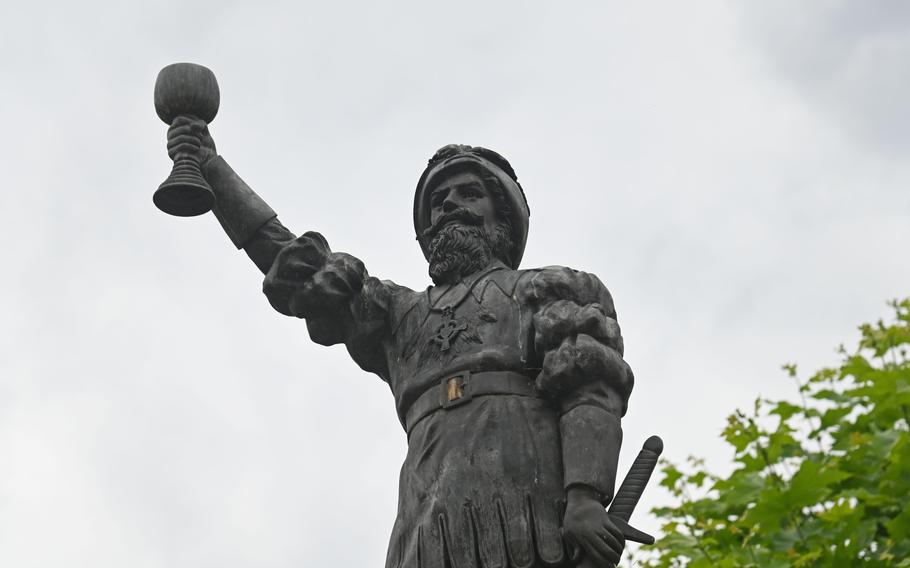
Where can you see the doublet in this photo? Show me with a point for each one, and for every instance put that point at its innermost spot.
(476, 324)
(482, 484)
(493, 440)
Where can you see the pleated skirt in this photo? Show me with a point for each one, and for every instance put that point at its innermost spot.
(481, 487)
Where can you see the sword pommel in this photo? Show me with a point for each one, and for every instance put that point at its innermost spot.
(654, 444)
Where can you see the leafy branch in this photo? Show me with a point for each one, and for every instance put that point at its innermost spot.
(824, 482)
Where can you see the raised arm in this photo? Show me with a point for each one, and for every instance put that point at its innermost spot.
(246, 218)
(304, 277)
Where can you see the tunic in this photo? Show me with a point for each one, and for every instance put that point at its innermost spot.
(482, 485)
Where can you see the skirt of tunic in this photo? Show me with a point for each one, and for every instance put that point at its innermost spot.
(481, 487)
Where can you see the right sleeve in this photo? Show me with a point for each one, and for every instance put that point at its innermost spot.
(340, 301)
(265, 244)
(245, 217)
(304, 277)
(238, 208)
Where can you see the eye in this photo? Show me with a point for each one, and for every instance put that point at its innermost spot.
(470, 192)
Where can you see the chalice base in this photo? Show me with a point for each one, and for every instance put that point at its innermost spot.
(185, 193)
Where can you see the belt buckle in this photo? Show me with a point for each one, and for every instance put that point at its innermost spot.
(454, 390)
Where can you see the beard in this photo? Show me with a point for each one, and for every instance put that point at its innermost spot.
(459, 250)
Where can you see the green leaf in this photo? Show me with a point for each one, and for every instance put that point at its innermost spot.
(739, 433)
(781, 444)
(671, 476)
(833, 416)
(786, 409)
(741, 488)
(820, 480)
(839, 513)
(899, 527)
(812, 483)
(807, 559)
(697, 479)
(833, 396)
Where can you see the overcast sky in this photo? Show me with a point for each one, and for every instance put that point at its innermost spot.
(737, 176)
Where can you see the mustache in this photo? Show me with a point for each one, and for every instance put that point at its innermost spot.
(461, 214)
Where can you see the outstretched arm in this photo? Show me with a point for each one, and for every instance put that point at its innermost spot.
(339, 300)
(246, 218)
(304, 277)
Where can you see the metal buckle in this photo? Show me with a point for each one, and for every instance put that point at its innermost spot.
(455, 390)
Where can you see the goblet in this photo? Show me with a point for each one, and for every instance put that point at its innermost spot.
(185, 89)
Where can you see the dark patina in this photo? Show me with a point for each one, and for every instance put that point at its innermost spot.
(509, 383)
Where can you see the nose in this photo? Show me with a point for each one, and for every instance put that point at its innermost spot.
(450, 203)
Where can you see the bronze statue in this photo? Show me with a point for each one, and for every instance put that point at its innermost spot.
(509, 383)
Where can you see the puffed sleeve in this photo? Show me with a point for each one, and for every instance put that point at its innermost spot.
(580, 349)
(340, 301)
(304, 278)
(578, 340)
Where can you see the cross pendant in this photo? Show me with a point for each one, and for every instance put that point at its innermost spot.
(448, 330)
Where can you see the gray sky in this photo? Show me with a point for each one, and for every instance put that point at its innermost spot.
(736, 175)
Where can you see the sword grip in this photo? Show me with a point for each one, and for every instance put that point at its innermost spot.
(634, 484)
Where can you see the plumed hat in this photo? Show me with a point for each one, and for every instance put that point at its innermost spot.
(457, 157)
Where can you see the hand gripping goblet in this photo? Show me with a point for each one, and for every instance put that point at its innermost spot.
(185, 89)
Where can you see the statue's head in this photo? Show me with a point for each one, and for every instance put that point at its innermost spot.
(469, 209)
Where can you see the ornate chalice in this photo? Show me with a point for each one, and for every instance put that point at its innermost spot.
(185, 89)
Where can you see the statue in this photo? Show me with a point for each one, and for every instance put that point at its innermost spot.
(509, 383)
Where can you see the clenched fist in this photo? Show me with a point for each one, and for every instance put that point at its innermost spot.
(589, 532)
(308, 279)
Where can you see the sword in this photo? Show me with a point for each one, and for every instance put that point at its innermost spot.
(632, 488)
(627, 498)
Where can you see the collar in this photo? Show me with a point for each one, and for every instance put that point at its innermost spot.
(452, 295)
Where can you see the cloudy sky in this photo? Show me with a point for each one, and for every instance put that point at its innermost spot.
(736, 174)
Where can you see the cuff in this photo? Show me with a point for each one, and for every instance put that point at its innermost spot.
(238, 208)
(591, 438)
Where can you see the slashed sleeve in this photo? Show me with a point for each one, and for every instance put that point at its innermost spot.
(579, 347)
(341, 302)
(333, 292)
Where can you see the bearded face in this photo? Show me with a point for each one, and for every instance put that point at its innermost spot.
(468, 226)
(462, 245)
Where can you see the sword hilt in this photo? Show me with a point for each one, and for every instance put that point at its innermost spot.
(627, 498)
(632, 488)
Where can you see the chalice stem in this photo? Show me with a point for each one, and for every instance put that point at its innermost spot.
(185, 192)
(186, 170)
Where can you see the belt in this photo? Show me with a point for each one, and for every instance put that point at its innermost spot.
(461, 387)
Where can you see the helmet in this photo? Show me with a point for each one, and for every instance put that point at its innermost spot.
(459, 157)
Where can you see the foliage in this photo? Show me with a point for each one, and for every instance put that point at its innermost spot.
(824, 482)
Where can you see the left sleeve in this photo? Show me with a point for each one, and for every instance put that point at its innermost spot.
(579, 345)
